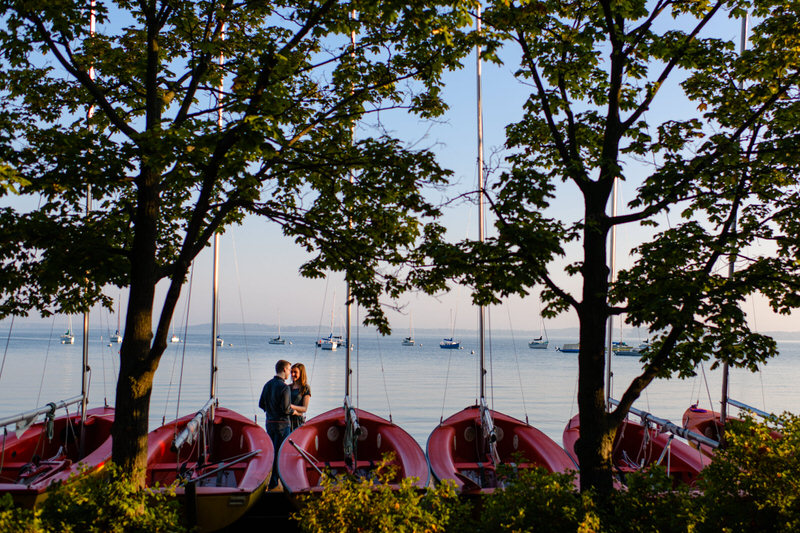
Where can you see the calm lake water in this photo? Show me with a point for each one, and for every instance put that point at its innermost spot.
(416, 386)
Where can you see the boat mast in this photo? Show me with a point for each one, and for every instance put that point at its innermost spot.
(723, 410)
(489, 440)
(348, 292)
(85, 357)
(214, 316)
(215, 275)
(612, 278)
(481, 309)
(352, 428)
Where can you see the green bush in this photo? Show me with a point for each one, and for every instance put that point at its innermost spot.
(105, 501)
(109, 502)
(349, 504)
(536, 500)
(753, 483)
(650, 502)
(16, 520)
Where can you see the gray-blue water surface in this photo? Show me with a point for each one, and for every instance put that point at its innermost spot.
(416, 386)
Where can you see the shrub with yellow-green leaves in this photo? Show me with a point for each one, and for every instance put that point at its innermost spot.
(96, 502)
(16, 520)
(108, 502)
(537, 500)
(376, 504)
(649, 502)
(753, 483)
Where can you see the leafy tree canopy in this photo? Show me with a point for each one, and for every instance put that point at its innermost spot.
(131, 112)
(180, 118)
(726, 165)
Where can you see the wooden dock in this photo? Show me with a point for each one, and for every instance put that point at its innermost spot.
(271, 512)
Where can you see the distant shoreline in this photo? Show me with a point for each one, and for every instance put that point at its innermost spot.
(267, 329)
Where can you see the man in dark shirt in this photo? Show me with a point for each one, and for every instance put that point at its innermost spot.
(276, 402)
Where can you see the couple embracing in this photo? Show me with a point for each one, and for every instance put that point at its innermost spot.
(284, 405)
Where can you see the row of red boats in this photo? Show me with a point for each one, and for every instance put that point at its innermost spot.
(222, 460)
(221, 466)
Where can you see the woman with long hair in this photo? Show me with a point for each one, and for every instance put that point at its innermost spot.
(301, 395)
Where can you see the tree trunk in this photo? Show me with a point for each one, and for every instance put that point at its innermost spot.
(138, 357)
(131, 420)
(596, 437)
(137, 368)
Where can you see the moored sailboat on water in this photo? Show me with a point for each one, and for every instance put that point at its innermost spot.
(117, 336)
(409, 341)
(278, 340)
(68, 337)
(541, 342)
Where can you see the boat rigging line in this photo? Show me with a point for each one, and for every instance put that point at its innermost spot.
(669, 426)
(46, 359)
(446, 379)
(516, 360)
(319, 330)
(383, 374)
(183, 348)
(5, 351)
(253, 398)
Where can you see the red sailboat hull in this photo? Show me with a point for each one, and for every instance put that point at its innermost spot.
(453, 453)
(636, 447)
(321, 438)
(32, 462)
(225, 487)
(704, 422)
(707, 423)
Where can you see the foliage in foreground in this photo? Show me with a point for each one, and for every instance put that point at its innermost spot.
(535, 500)
(750, 486)
(754, 482)
(15, 520)
(649, 504)
(350, 504)
(107, 502)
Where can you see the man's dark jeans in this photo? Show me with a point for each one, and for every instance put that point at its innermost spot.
(277, 431)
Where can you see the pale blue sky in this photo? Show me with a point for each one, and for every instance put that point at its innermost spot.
(259, 277)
